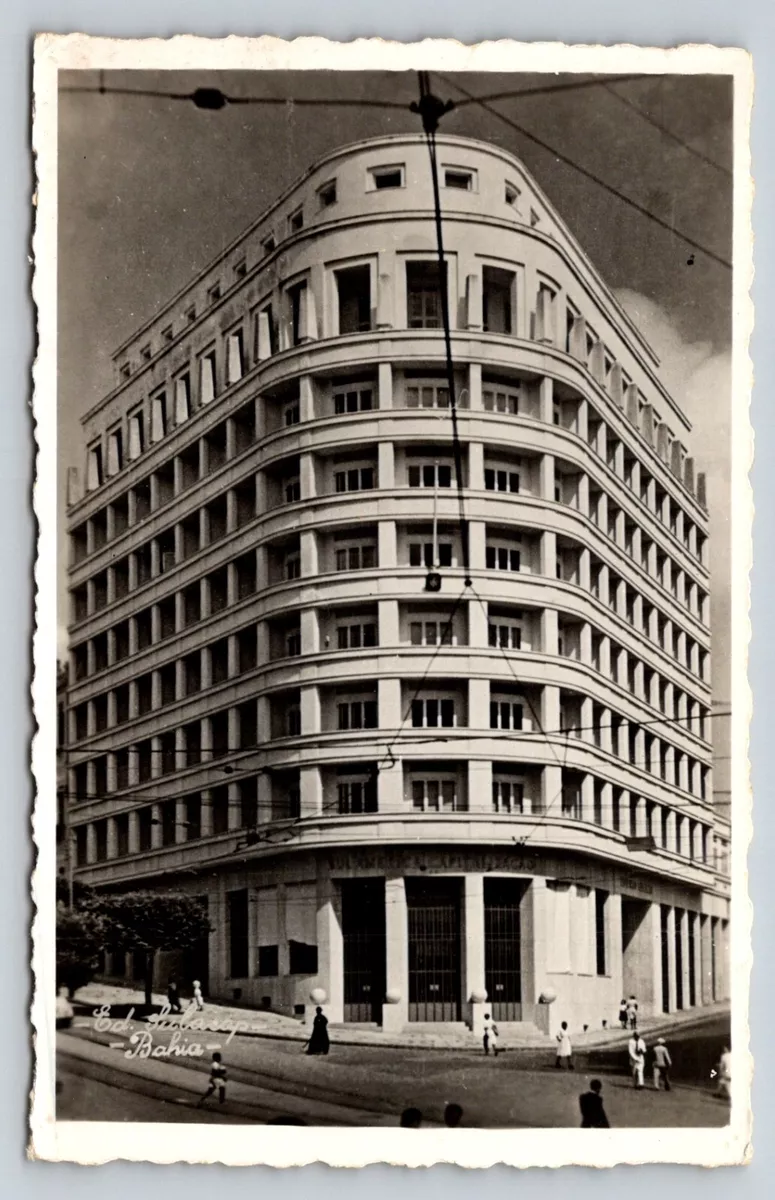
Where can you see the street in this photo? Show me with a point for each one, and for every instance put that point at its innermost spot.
(354, 1085)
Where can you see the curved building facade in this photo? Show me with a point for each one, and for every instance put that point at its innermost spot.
(411, 799)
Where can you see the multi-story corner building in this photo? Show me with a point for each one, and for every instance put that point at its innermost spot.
(405, 798)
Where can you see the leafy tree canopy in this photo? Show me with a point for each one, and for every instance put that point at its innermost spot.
(153, 920)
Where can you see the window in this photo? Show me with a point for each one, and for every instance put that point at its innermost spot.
(534, 218)
(240, 269)
(421, 554)
(136, 434)
(435, 795)
(505, 634)
(357, 793)
(430, 475)
(125, 370)
(268, 244)
(182, 399)
(511, 195)
(94, 477)
(430, 633)
(191, 315)
(502, 557)
(354, 479)
(293, 565)
(501, 399)
(268, 961)
(353, 286)
(207, 377)
(167, 334)
(158, 417)
(357, 714)
(423, 295)
(357, 398)
(327, 194)
(359, 556)
(505, 713)
(463, 180)
(297, 301)
(387, 177)
(235, 357)
(435, 712)
(498, 290)
(292, 489)
(501, 479)
(507, 794)
(601, 898)
(292, 413)
(115, 452)
(293, 721)
(293, 643)
(296, 220)
(146, 353)
(213, 294)
(429, 395)
(265, 333)
(354, 637)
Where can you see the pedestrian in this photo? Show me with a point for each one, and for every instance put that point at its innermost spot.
(318, 1042)
(632, 1012)
(636, 1048)
(662, 1064)
(173, 997)
(623, 1014)
(724, 1085)
(593, 1114)
(217, 1080)
(198, 1000)
(411, 1118)
(564, 1048)
(453, 1115)
(490, 1036)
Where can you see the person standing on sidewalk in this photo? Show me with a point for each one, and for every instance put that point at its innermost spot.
(198, 1000)
(662, 1064)
(173, 997)
(490, 1036)
(564, 1048)
(724, 1085)
(632, 1013)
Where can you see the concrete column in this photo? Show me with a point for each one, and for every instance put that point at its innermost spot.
(157, 766)
(310, 709)
(551, 787)
(478, 703)
(134, 831)
(309, 554)
(330, 944)
(605, 656)
(385, 385)
(548, 554)
(584, 570)
(586, 731)
(310, 631)
(389, 703)
(671, 959)
(207, 813)
(535, 934)
(307, 479)
(546, 476)
(234, 812)
(473, 302)
(264, 797)
(181, 829)
(477, 542)
(474, 991)
(479, 784)
(546, 404)
(684, 935)
(705, 976)
(550, 708)
(694, 920)
(390, 788)
(306, 399)
(112, 838)
(311, 787)
(232, 653)
(587, 798)
(387, 546)
(475, 387)
(156, 826)
(606, 807)
(386, 469)
(476, 466)
(395, 1012)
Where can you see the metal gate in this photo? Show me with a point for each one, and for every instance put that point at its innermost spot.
(502, 948)
(433, 911)
(363, 935)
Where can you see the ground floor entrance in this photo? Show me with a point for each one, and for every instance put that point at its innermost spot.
(503, 948)
(363, 946)
(433, 912)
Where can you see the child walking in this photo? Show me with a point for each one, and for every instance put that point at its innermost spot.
(217, 1080)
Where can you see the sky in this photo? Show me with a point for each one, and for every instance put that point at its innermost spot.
(151, 189)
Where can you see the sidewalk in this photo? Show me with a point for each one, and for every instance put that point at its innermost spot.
(263, 1024)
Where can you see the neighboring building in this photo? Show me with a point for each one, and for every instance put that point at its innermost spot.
(269, 709)
(62, 855)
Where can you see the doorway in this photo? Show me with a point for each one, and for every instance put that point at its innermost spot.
(502, 947)
(433, 912)
(364, 950)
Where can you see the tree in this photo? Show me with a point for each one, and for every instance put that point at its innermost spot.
(145, 922)
(79, 941)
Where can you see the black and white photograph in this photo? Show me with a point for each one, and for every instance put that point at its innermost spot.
(392, 429)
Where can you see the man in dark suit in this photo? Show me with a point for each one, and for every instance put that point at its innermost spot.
(591, 1105)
